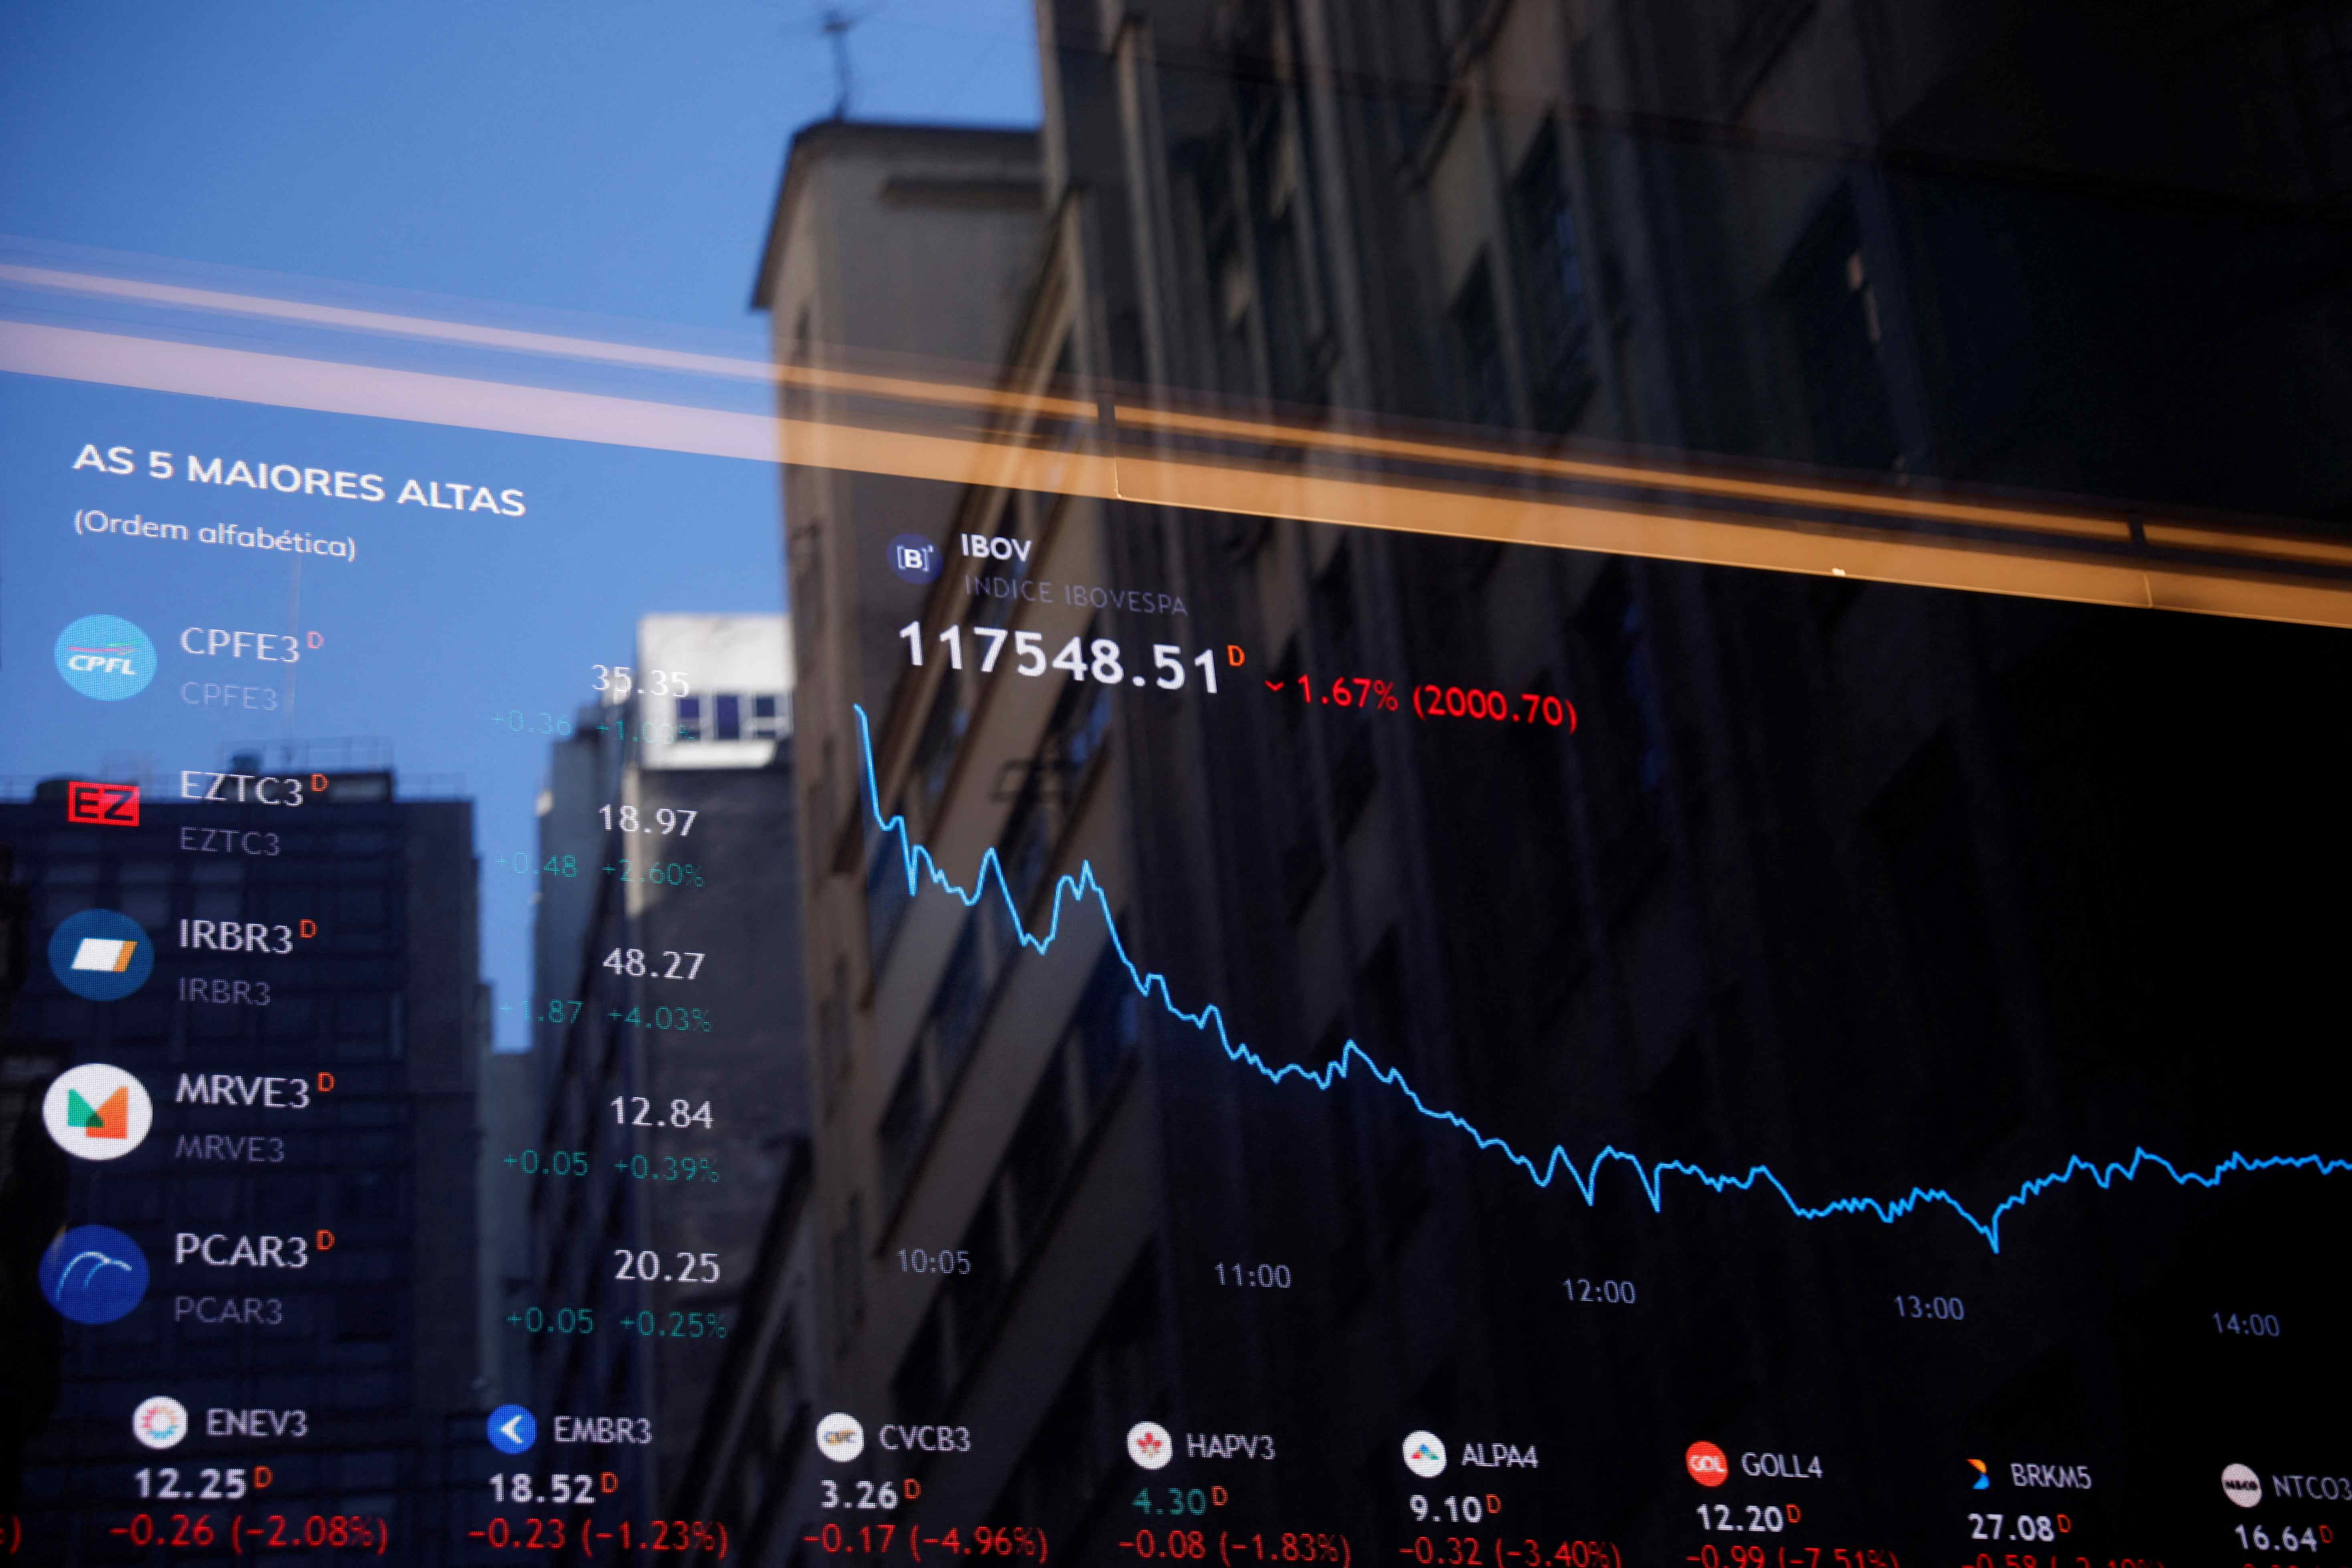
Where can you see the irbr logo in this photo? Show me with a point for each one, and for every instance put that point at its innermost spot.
(914, 558)
(106, 656)
(106, 804)
(1707, 1465)
(101, 954)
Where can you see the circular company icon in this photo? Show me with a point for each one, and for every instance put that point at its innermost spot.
(160, 1422)
(1707, 1464)
(1424, 1454)
(840, 1437)
(513, 1429)
(106, 656)
(915, 558)
(93, 1274)
(1149, 1445)
(97, 1111)
(2241, 1485)
(101, 954)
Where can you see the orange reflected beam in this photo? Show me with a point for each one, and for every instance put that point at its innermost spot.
(1849, 541)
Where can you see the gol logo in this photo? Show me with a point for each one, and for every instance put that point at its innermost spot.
(1707, 1464)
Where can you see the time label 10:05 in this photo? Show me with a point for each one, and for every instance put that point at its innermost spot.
(1101, 659)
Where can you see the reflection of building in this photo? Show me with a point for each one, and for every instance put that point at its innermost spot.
(668, 1033)
(376, 1342)
(1799, 825)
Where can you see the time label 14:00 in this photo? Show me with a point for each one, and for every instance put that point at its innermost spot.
(1099, 660)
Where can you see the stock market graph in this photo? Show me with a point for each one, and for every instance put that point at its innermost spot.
(1464, 785)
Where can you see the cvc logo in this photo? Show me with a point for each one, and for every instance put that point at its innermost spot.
(106, 656)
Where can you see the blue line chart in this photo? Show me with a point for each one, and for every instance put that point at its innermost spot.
(1082, 889)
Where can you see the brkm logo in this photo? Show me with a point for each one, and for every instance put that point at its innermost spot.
(105, 805)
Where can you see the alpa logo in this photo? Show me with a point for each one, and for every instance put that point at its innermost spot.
(997, 547)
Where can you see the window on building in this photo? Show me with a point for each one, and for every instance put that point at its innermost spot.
(1555, 312)
(1475, 336)
(1832, 312)
(904, 1121)
(689, 718)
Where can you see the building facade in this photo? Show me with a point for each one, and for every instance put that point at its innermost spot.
(670, 1071)
(1795, 820)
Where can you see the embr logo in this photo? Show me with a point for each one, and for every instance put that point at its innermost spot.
(107, 804)
(1707, 1464)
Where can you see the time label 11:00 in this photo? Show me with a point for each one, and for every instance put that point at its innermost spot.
(1099, 660)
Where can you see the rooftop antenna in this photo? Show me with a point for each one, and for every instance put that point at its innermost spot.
(836, 26)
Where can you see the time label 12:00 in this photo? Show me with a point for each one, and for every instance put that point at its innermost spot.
(1100, 660)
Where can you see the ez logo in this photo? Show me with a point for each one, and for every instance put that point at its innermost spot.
(105, 805)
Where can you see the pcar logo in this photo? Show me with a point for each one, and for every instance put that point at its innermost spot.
(915, 558)
(106, 656)
(102, 956)
(1707, 1464)
(2241, 1485)
(93, 1274)
(840, 1437)
(160, 1422)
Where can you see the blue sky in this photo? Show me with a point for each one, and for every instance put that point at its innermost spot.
(614, 163)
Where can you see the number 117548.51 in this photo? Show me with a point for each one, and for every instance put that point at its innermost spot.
(1099, 660)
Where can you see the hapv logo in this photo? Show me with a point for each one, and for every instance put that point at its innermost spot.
(106, 656)
(1707, 1464)
(93, 1274)
(1149, 1445)
(915, 558)
(160, 1422)
(97, 1111)
(103, 805)
(840, 1437)
(101, 954)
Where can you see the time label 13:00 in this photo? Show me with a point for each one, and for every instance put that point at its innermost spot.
(1101, 659)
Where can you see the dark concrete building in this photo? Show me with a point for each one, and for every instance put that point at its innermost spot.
(672, 1062)
(1818, 855)
(377, 1021)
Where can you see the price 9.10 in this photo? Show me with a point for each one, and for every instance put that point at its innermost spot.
(1100, 660)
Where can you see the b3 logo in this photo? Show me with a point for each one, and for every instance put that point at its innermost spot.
(106, 656)
(914, 558)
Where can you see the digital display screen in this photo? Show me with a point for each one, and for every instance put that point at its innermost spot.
(1410, 785)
